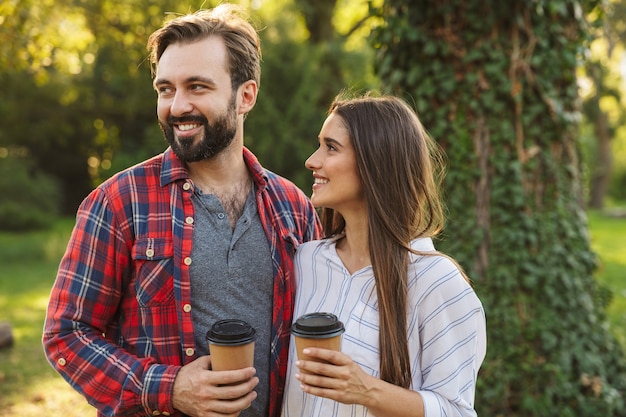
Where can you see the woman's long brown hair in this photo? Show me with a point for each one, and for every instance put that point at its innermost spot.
(400, 170)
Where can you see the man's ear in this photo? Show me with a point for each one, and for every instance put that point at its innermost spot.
(247, 95)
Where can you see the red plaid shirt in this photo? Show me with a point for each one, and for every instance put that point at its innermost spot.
(118, 326)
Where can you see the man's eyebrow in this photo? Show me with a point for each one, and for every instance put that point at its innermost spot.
(190, 80)
(201, 79)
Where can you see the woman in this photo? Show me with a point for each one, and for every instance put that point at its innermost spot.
(415, 330)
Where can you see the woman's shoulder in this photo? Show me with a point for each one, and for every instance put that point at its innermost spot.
(314, 245)
(425, 254)
(427, 264)
(423, 244)
(316, 250)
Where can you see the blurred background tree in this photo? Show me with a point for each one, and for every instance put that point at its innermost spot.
(77, 101)
(75, 89)
(603, 133)
(312, 50)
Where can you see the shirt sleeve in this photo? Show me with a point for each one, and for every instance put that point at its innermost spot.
(84, 300)
(452, 336)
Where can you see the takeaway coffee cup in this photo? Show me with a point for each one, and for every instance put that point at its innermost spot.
(319, 329)
(231, 344)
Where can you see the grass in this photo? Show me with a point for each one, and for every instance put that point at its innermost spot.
(29, 386)
(608, 241)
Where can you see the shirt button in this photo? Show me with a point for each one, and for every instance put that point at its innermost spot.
(187, 261)
(149, 253)
(189, 352)
(62, 362)
(187, 308)
(189, 220)
(221, 215)
(186, 186)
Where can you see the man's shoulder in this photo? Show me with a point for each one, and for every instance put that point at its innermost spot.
(134, 183)
(146, 168)
(284, 189)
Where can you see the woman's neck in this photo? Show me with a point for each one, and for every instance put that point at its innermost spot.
(353, 248)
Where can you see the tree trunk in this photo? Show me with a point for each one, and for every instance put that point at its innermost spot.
(6, 335)
(603, 160)
(318, 17)
(603, 164)
(495, 84)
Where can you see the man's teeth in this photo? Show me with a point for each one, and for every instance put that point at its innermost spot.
(321, 181)
(187, 127)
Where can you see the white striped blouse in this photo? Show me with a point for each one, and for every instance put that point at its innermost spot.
(446, 328)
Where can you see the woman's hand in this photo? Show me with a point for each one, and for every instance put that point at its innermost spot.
(339, 378)
(336, 376)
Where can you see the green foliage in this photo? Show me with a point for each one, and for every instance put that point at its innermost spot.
(494, 83)
(618, 185)
(30, 199)
(604, 109)
(80, 100)
(79, 91)
(297, 87)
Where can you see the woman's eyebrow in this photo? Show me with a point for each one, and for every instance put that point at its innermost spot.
(330, 141)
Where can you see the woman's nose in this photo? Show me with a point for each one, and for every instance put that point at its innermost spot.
(312, 161)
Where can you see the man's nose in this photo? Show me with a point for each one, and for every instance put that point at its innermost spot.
(181, 104)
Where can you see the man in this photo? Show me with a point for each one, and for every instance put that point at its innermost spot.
(197, 234)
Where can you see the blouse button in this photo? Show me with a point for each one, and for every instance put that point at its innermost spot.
(187, 261)
(189, 220)
(149, 253)
(62, 362)
(187, 308)
(189, 352)
(186, 186)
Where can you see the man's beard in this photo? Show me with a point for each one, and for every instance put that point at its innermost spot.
(217, 136)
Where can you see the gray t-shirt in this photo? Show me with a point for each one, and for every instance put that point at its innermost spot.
(232, 278)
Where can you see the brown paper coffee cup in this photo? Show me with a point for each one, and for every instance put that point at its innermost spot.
(318, 329)
(231, 345)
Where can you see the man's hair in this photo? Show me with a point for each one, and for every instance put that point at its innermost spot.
(227, 21)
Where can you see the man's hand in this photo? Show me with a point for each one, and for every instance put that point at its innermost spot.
(199, 392)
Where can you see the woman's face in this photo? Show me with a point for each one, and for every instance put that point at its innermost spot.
(336, 182)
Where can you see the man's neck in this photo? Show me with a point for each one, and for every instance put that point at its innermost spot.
(222, 172)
